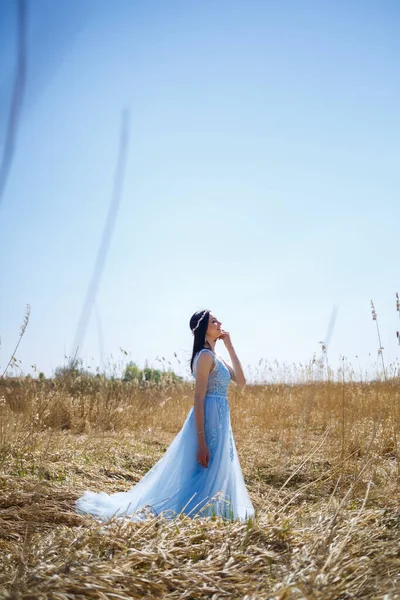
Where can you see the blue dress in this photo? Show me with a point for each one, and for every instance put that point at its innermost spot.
(177, 483)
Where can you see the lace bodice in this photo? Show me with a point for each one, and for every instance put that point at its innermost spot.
(218, 379)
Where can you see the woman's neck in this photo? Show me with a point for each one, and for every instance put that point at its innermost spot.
(210, 346)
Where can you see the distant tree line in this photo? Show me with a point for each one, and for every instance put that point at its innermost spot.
(75, 368)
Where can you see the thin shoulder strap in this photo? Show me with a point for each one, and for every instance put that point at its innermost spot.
(207, 350)
(198, 354)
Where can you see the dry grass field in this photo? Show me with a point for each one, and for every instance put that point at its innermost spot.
(320, 460)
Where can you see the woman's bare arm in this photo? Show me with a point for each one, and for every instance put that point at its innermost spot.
(239, 377)
(203, 368)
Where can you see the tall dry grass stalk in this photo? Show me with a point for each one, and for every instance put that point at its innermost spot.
(21, 334)
(343, 411)
(380, 349)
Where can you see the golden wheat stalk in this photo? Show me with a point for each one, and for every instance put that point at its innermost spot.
(380, 349)
(23, 329)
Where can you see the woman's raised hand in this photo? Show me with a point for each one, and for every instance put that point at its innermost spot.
(226, 338)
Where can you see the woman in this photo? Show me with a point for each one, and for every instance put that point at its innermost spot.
(199, 474)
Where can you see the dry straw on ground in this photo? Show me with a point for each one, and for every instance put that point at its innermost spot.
(320, 461)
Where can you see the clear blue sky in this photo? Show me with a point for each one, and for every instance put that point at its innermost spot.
(262, 177)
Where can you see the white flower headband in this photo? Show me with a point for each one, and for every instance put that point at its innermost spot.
(198, 322)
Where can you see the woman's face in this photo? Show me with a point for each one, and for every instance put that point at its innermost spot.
(214, 327)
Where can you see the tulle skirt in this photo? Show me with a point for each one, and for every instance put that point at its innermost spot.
(177, 483)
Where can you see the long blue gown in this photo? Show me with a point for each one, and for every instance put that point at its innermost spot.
(177, 483)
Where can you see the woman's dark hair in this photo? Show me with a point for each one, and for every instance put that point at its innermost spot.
(200, 333)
